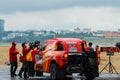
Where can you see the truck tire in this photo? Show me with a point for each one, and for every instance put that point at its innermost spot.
(54, 72)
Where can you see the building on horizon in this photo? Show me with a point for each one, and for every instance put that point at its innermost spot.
(87, 30)
(99, 33)
(1, 27)
(77, 30)
(110, 34)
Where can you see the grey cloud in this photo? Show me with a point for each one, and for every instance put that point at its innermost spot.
(9, 6)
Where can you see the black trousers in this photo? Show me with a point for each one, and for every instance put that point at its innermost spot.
(23, 69)
(31, 70)
(13, 67)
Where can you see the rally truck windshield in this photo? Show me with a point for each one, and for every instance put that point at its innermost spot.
(67, 44)
(72, 45)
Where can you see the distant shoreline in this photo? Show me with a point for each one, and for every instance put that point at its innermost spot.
(8, 44)
(4, 44)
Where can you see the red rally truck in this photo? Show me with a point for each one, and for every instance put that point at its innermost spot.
(64, 56)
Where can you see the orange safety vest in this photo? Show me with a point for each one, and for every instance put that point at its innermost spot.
(98, 55)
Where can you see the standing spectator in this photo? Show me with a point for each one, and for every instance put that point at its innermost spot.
(32, 62)
(23, 60)
(29, 58)
(13, 59)
(90, 47)
(97, 49)
(96, 67)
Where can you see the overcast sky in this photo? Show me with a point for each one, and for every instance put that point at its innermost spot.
(60, 14)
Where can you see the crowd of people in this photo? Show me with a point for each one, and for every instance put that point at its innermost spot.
(27, 58)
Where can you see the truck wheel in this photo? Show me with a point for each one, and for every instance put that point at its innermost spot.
(39, 73)
(54, 72)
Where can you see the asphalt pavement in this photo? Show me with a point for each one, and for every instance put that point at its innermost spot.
(5, 75)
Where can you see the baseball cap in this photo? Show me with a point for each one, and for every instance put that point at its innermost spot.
(14, 43)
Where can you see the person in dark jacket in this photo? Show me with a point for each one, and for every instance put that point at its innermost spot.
(23, 60)
(13, 52)
(60, 46)
(90, 47)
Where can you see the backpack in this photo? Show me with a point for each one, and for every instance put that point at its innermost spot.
(29, 56)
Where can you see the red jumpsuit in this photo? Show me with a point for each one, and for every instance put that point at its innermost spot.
(24, 67)
(13, 59)
(31, 70)
(13, 54)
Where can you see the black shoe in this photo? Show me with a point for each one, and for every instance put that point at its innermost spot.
(20, 75)
(15, 74)
(25, 77)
